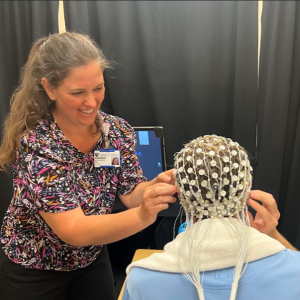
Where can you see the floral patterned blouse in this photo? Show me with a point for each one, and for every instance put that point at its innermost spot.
(51, 175)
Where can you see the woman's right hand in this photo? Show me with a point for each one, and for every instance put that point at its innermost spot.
(155, 199)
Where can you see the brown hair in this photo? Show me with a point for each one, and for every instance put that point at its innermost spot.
(52, 57)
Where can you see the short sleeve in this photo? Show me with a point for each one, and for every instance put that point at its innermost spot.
(43, 179)
(131, 173)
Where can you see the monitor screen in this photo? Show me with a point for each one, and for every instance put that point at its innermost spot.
(150, 150)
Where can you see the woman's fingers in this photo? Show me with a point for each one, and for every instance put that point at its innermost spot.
(268, 202)
(160, 189)
(265, 222)
(252, 223)
(167, 177)
(156, 198)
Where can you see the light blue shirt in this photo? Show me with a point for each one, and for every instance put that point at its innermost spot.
(276, 277)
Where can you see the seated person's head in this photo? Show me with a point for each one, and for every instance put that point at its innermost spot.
(213, 176)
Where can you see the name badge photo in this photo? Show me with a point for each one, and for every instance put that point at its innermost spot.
(107, 158)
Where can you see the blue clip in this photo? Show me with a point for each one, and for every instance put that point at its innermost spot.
(182, 227)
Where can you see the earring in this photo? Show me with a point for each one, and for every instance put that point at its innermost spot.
(53, 98)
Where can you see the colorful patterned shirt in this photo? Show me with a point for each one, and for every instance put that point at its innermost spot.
(51, 175)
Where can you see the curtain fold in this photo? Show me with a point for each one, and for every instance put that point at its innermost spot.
(189, 66)
(278, 112)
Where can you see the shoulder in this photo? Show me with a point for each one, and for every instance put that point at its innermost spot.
(284, 269)
(45, 139)
(41, 133)
(285, 265)
(289, 256)
(118, 126)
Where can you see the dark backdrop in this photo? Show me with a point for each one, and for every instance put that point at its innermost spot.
(189, 66)
(278, 169)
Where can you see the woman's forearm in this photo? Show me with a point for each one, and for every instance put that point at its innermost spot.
(105, 229)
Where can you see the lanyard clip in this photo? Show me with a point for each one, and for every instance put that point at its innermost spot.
(106, 143)
(105, 130)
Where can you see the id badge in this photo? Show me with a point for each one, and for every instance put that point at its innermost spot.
(107, 158)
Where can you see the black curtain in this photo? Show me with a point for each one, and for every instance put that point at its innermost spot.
(189, 66)
(21, 23)
(279, 101)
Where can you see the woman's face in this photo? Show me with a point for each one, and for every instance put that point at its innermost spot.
(79, 97)
(115, 161)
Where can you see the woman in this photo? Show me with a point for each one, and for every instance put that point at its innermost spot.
(55, 138)
(115, 161)
(219, 256)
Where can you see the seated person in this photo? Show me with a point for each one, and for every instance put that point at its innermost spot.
(223, 253)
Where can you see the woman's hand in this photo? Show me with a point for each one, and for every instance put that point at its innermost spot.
(155, 199)
(158, 195)
(167, 177)
(267, 214)
(153, 196)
